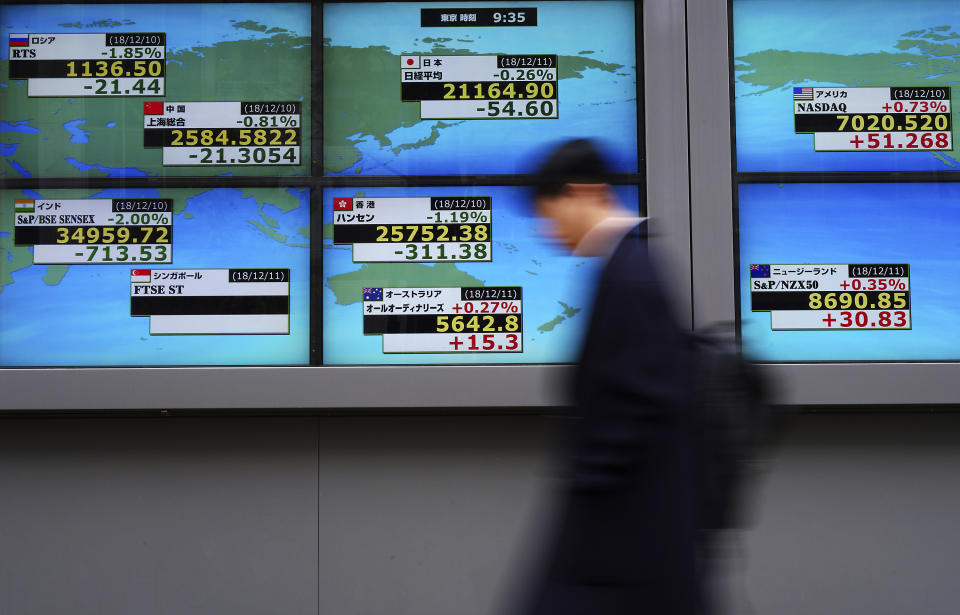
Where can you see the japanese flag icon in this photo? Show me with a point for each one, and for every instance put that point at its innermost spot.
(409, 61)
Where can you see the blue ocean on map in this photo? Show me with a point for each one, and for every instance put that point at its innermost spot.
(522, 256)
(600, 104)
(913, 223)
(765, 136)
(84, 318)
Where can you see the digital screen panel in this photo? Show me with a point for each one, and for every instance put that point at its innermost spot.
(850, 272)
(433, 275)
(145, 90)
(418, 88)
(820, 87)
(133, 277)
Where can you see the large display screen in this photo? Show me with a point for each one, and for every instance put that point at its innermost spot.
(146, 90)
(160, 189)
(449, 275)
(859, 85)
(155, 277)
(475, 87)
(850, 272)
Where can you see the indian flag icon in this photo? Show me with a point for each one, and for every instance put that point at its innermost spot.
(23, 206)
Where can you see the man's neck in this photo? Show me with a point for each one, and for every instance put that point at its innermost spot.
(603, 237)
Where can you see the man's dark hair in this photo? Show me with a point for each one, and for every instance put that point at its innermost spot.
(575, 162)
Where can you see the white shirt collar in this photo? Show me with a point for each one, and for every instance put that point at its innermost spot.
(604, 237)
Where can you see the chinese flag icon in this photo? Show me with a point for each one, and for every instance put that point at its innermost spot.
(153, 108)
(343, 204)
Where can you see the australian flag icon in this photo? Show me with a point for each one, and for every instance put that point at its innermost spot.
(759, 271)
(373, 294)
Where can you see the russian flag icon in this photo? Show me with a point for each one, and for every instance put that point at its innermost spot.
(19, 40)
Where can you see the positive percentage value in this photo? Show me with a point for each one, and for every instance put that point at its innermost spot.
(487, 307)
(875, 284)
(916, 106)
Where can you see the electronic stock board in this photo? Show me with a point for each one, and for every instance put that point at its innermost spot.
(210, 184)
(846, 184)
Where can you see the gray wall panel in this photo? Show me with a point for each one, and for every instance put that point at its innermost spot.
(858, 514)
(158, 516)
(427, 515)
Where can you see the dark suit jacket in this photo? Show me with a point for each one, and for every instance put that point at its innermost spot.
(625, 541)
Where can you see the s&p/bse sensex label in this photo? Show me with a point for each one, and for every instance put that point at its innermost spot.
(212, 301)
(485, 87)
(95, 231)
(88, 64)
(465, 319)
(414, 229)
(832, 297)
(875, 119)
(224, 133)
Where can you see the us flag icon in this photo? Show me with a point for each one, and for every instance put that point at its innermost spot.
(343, 204)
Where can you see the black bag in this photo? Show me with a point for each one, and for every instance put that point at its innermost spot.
(736, 422)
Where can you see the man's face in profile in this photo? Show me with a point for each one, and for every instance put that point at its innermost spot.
(573, 212)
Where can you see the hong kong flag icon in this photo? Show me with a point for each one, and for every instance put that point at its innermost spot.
(342, 204)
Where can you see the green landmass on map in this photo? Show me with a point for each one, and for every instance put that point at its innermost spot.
(11, 257)
(266, 69)
(364, 101)
(100, 23)
(348, 287)
(567, 313)
(281, 199)
(925, 60)
(429, 139)
(54, 274)
(269, 232)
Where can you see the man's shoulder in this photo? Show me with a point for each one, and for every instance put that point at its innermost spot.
(631, 253)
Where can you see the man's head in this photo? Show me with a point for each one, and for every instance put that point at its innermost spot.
(572, 190)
